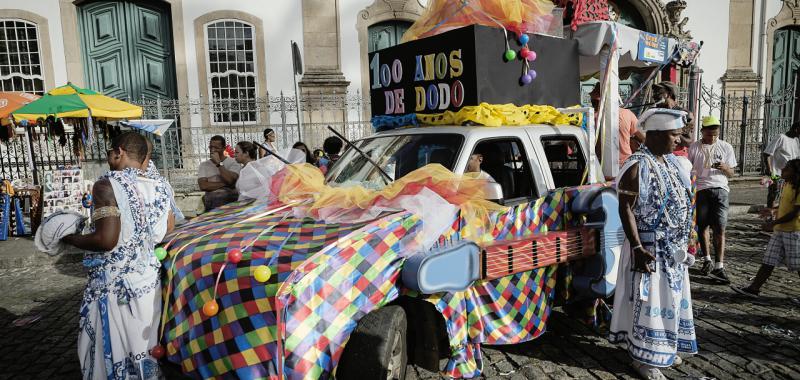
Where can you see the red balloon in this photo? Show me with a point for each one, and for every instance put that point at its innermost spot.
(157, 352)
(524, 52)
(234, 256)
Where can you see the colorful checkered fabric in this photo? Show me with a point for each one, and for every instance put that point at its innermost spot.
(240, 339)
(329, 277)
(334, 290)
(507, 310)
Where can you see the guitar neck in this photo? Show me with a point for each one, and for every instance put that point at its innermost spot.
(508, 257)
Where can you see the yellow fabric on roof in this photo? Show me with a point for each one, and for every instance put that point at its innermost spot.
(496, 115)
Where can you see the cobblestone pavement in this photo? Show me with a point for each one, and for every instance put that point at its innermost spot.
(737, 338)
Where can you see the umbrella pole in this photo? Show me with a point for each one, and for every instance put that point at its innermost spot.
(34, 171)
(164, 157)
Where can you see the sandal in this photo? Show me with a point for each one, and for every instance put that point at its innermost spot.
(746, 292)
(647, 372)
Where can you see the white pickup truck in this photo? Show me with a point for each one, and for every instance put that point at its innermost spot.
(362, 299)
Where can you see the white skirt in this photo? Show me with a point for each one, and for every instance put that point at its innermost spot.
(653, 318)
(115, 339)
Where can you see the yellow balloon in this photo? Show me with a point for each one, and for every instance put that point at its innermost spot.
(262, 273)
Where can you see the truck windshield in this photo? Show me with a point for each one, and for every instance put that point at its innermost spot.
(396, 155)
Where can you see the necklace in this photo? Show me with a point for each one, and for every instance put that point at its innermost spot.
(668, 183)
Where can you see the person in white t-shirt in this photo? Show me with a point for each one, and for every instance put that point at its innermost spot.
(217, 176)
(779, 151)
(713, 161)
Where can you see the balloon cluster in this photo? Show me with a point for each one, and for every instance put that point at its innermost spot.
(526, 55)
(261, 273)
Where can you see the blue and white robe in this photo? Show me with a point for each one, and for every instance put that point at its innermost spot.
(121, 307)
(653, 311)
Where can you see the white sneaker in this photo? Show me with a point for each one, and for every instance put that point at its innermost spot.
(647, 372)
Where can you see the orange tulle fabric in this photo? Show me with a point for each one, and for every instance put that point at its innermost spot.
(519, 16)
(304, 183)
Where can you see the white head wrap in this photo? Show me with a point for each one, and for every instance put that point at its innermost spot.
(662, 119)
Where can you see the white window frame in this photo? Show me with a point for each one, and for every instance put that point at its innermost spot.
(11, 74)
(210, 75)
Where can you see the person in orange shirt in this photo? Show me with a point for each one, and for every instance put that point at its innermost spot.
(629, 136)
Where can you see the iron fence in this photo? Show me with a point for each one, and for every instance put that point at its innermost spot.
(185, 144)
(749, 121)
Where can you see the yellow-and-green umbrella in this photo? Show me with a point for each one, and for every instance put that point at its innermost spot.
(72, 101)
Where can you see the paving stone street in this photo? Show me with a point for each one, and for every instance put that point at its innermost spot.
(737, 338)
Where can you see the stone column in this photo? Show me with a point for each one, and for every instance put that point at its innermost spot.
(739, 74)
(323, 83)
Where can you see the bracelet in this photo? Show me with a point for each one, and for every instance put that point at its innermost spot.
(636, 247)
(105, 212)
(626, 192)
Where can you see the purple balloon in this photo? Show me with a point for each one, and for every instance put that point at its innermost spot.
(532, 74)
(526, 79)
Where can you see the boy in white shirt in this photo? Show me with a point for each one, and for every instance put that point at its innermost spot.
(713, 161)
(779, 151)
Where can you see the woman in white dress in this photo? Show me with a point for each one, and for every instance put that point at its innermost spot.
(121, 306)
(652, 301)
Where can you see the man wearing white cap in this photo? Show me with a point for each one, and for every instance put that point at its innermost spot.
(652, 301)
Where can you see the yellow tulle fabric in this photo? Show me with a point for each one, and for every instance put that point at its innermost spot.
(529, 16)
(495, 115)
(305, 183)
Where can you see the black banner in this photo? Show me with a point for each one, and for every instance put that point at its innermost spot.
(466, 66)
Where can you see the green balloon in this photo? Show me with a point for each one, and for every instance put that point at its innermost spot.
(161, 253)
(510, 55)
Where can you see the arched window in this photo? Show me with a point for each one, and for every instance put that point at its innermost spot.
(386, 34)
(232, 71)
(20, 57)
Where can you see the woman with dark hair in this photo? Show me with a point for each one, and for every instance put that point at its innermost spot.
(245, 154)
(269, 142)
(784, 245)
(301, 146)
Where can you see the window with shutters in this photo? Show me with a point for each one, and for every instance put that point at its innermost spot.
(232, 72)
(20, 58)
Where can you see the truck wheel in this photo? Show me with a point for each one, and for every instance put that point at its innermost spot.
(377, 347)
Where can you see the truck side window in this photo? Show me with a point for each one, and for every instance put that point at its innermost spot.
(566, 160)
(506, 162)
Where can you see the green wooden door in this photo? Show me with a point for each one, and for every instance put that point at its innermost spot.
(127, 49)
(785, 62)
(386, 34)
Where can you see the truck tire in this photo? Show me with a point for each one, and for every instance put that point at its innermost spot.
(377, 347)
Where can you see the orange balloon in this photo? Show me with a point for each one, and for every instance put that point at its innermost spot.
(211, 308)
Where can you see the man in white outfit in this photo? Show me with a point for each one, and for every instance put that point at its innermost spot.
(121, 305)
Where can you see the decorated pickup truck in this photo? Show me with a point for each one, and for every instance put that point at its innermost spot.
(460, 223)
(363, 275)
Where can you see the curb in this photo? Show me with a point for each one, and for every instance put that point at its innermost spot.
(736, 210)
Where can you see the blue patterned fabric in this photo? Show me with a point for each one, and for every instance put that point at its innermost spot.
(652, 311)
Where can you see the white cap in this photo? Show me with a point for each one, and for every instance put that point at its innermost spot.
(662, 119)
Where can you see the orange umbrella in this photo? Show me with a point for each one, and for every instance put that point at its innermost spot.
(12, 101)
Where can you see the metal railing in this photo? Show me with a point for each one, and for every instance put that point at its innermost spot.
(750, 120)
(185, 144)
